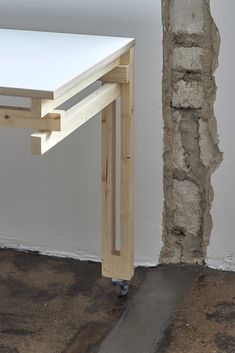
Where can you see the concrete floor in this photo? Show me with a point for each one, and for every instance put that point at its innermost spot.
(51, 305)
(204, 320)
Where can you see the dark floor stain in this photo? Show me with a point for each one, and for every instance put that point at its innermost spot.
(18, 288)
(225, 311)
(23, 262)
(166, 339)
(84, 277)
(9, 319)
(12, 324)
(6, 349)
(88, 338)
(225, 343)
(17, 332)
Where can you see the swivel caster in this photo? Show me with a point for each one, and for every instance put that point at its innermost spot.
(123, 286)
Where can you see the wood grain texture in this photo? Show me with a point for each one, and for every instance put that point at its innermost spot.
(76, 116)
(51, 122)
(121, 74)
(119, 264)
(108, 185)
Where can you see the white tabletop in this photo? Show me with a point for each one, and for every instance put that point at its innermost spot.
(44, 62)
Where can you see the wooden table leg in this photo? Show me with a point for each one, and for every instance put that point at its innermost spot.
(118, 264)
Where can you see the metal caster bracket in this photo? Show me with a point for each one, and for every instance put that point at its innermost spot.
(123, 286)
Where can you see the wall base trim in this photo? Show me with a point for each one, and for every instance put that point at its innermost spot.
(81, 255)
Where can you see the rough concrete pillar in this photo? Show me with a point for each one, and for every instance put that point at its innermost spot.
(191, 154)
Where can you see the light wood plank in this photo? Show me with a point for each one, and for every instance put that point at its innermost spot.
(16, 112)
(41, 142)
(121, 74)
(108, 184)
(36, 107)
(127, 169)
(121, 264)
(51, 122)
(33, 112)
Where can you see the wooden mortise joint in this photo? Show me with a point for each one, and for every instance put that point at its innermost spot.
(113, 72)
(36, 107)
(76, 116)
(47, 105)
(120, 74)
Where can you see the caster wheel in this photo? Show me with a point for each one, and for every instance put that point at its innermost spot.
(122, 286)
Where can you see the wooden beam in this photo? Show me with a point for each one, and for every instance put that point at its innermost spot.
(120, 264)
(127, 170)
(16, 112)
(36, 107)
(76, 116)
(108, 184)
(20, 119)
(121, 74)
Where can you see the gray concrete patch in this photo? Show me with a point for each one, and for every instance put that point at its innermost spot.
(142, 324)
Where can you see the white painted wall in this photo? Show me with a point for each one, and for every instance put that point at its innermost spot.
(221, 252)
(52, 203)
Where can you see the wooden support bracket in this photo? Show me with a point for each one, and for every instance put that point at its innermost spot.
(121, 74)
(49, 105)
(76, 116)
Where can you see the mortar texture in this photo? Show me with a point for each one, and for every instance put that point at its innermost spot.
(191, 154)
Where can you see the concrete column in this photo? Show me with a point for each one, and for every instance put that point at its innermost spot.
(191, 154)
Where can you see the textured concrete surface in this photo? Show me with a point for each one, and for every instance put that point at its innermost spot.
(144, 321)
(187, 16)
(204, 321)
(191, 153)
(51, 305)
(187, 59)
(187, 95)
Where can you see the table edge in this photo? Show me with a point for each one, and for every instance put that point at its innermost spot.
(45, 94)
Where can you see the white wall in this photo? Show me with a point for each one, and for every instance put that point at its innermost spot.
(221, 252)
(52, 203)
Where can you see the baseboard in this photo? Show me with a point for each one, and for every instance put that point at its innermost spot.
(82, 255)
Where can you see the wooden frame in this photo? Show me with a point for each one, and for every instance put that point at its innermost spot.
(41, 142)
(55, 125)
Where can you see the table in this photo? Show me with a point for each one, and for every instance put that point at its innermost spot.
(50, 68)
